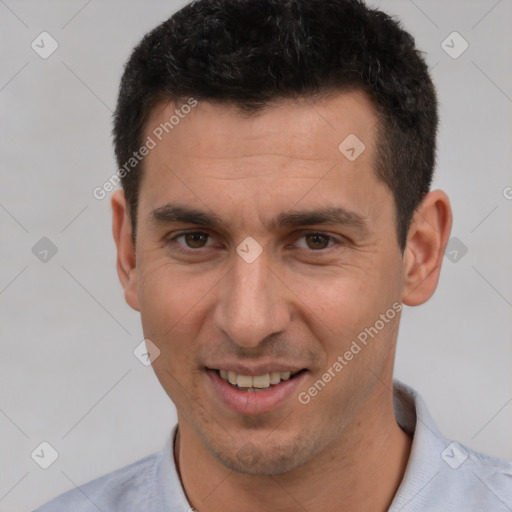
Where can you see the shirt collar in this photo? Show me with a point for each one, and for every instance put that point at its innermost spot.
(424, 463)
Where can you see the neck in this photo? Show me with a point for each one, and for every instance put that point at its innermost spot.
(361, 470)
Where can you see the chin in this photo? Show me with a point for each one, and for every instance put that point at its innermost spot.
(264, 458)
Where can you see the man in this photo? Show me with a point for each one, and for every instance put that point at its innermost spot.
(276, 214)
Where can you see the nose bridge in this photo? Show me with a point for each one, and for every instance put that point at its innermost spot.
(251, 306)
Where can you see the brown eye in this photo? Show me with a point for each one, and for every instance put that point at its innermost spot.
(195, 240)
(317, 241)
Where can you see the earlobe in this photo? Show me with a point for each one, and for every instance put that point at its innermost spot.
(426, 242)
(126, 258)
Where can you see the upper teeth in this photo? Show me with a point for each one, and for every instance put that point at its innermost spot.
(256, 381)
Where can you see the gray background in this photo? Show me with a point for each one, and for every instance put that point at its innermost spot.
(68, 374)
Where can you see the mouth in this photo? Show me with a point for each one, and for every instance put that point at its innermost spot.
(253, 394)
(256, 383)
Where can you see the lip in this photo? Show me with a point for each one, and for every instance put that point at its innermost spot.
(259, 402)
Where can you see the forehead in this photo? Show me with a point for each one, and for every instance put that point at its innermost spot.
(298, 129)
(213, 156)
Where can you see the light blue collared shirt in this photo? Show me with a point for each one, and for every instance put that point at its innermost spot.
(441, 476)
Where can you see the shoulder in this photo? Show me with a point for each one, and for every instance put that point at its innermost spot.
(444, 475)
(469, 480)
(126, 489)
(489, 479)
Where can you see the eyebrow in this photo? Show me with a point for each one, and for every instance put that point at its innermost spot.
(169, 213)
(325, 215)
(177, 213)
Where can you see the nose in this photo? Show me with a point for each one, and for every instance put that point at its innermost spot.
(252, 303)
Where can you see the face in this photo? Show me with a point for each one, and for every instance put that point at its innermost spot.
(261, 249)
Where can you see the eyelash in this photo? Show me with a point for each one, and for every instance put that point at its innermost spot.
(183, 249)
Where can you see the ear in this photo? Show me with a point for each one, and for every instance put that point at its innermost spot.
(426, 243)
(126, 262)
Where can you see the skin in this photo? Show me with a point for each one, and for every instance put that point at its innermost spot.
(302, 301)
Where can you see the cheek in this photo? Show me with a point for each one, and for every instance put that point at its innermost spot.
(172, 305)
(339, 302)
(344, 308)
(173, 308)
(357, 345)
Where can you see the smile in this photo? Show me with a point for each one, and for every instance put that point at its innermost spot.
(256, 383)
(253, 394)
